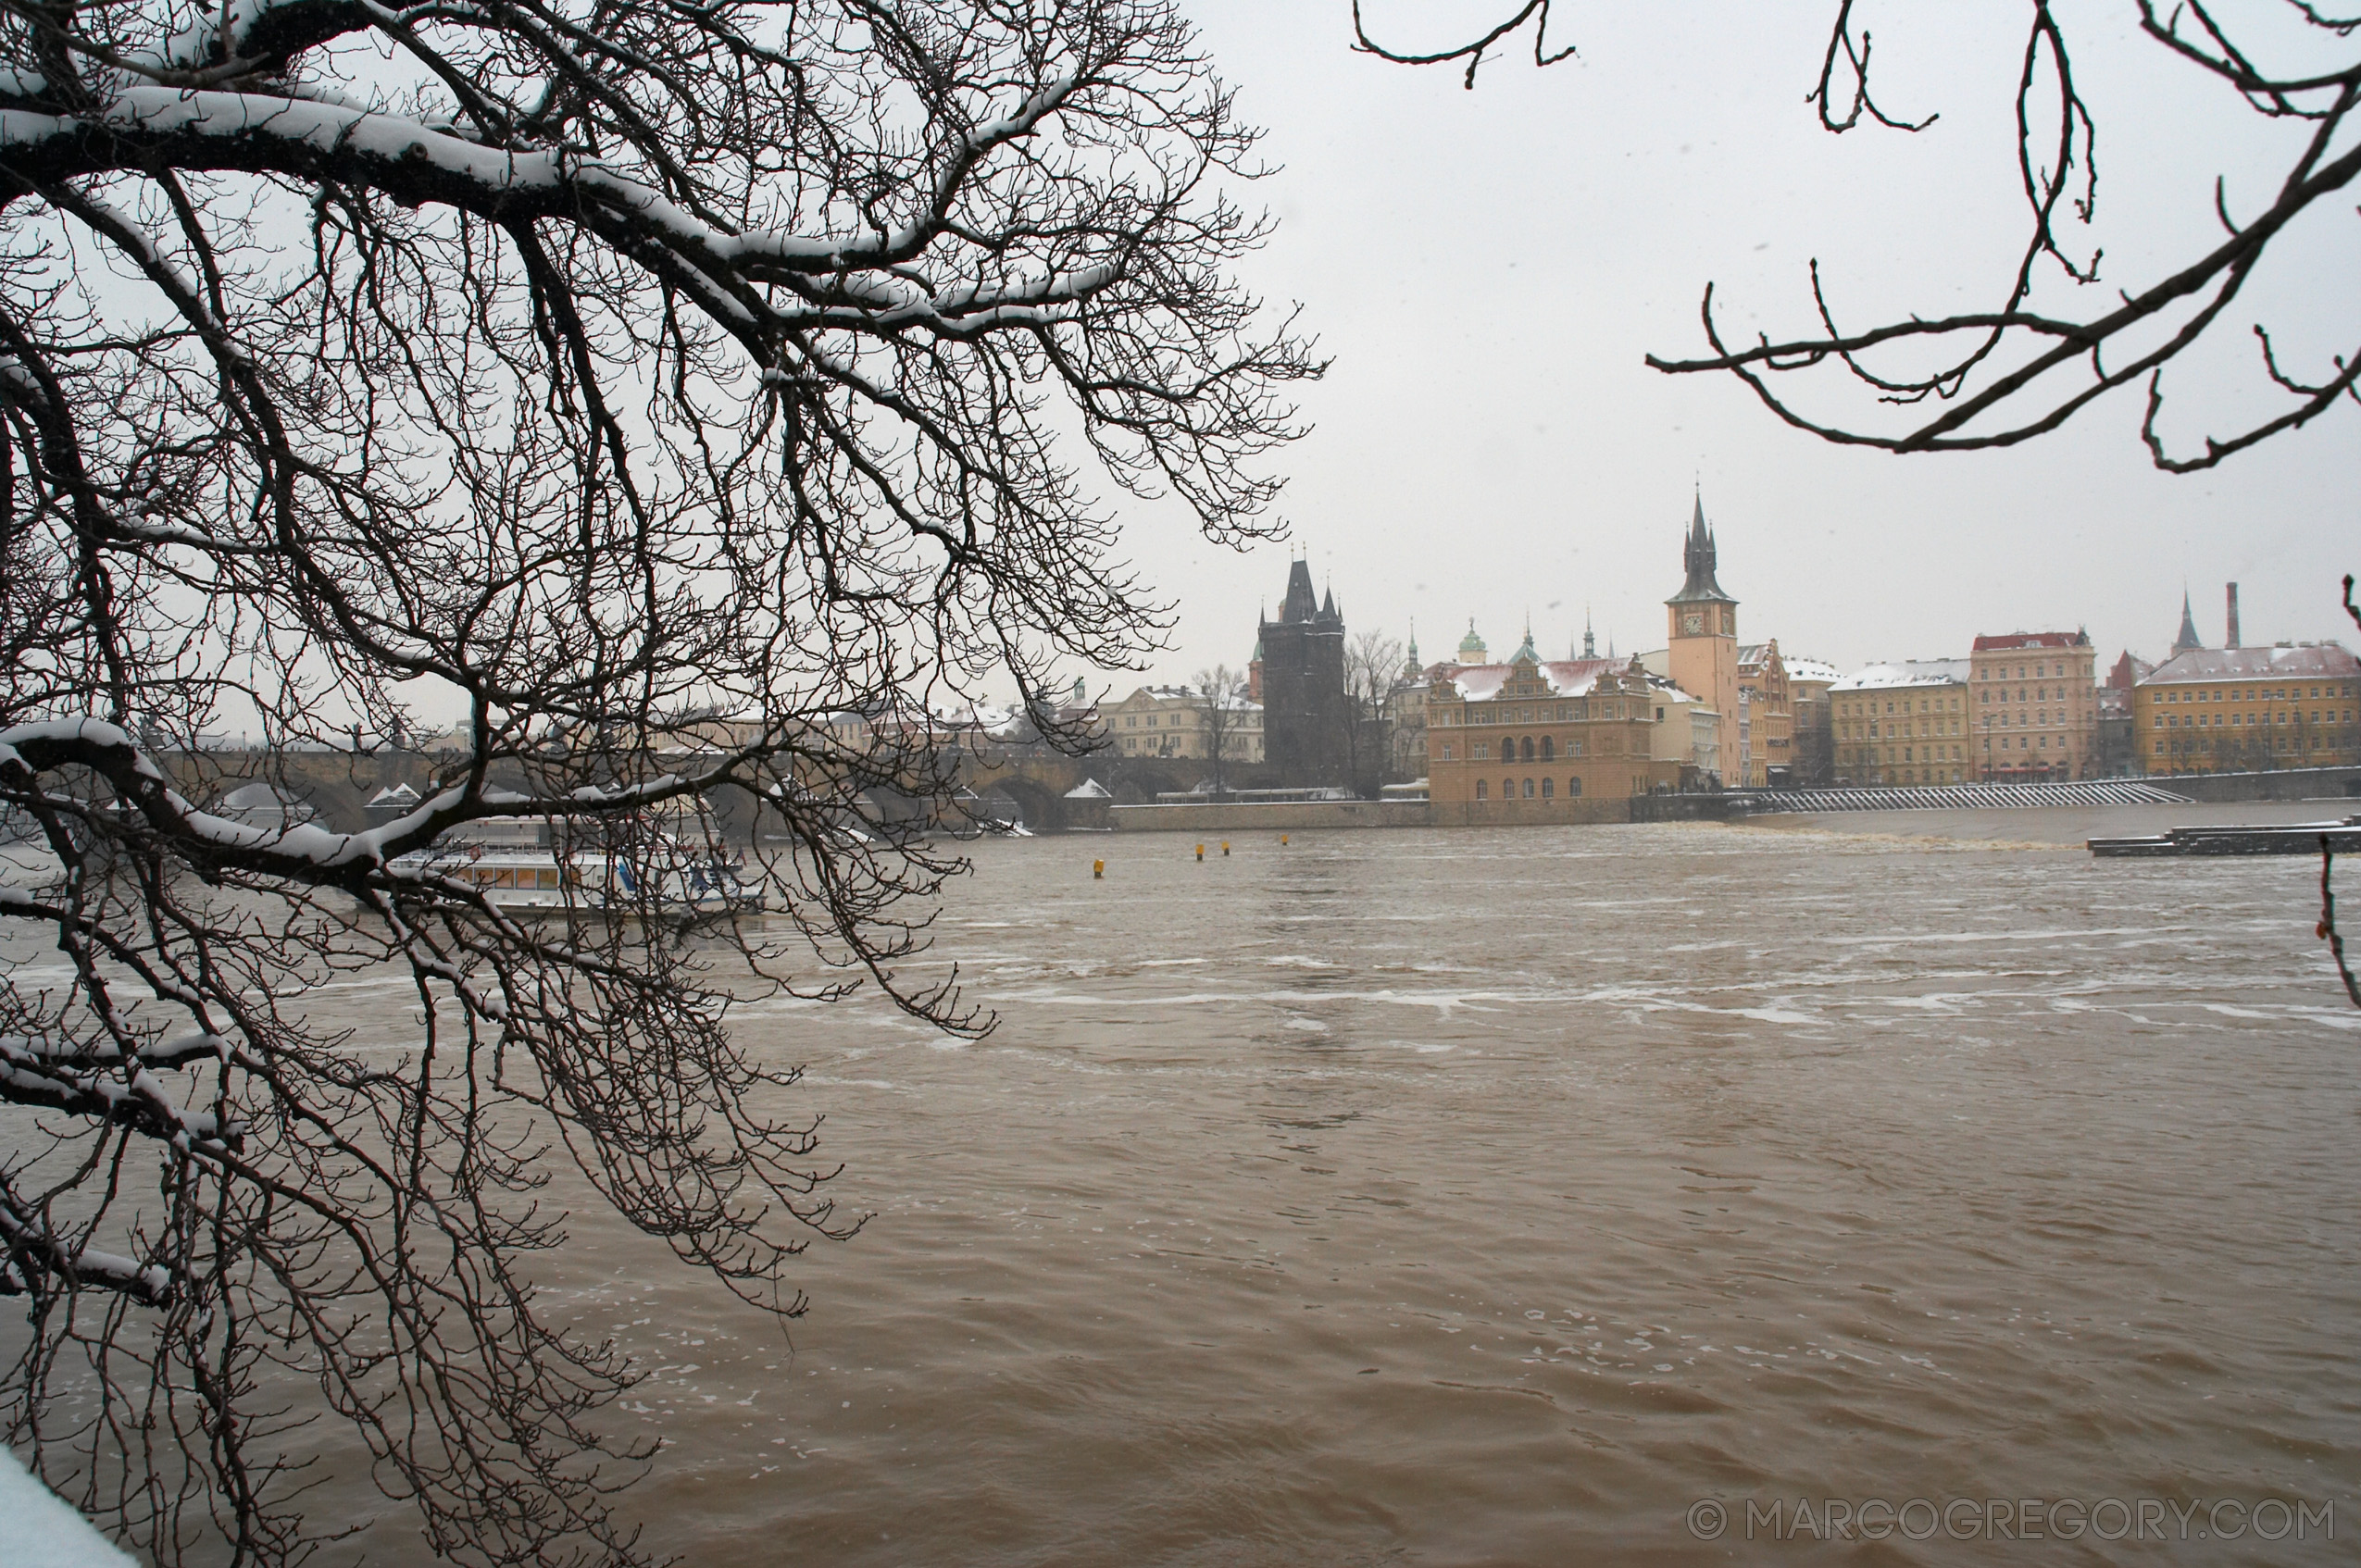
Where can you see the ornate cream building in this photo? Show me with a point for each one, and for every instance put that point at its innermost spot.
(1536, 742)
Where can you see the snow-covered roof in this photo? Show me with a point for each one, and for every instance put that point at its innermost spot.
(1909, 672)
(1565, 678)
(2010, 642)
(2330, 660)
(1186, 696)
(1811, 669)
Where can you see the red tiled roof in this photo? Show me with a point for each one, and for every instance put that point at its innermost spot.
(2031, 640)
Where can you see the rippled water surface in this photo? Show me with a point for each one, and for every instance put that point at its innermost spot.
(1473, 1198)
(1489, 1198)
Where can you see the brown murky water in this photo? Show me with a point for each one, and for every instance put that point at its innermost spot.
(1493, 1198)
(1474, 1198)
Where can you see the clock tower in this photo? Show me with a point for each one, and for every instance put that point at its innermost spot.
(1704, 641)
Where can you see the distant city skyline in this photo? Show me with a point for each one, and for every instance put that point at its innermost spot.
(1488, 268)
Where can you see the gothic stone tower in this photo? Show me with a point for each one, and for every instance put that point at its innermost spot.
(1304, 707)
(1705, 638)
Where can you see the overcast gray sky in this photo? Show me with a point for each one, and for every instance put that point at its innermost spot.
(1487, 270)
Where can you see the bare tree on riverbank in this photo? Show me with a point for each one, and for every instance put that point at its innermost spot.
(655, 388)
(1372, 666)
(1221, 701)
(2015, 370)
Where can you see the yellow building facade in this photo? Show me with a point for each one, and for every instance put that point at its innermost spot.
(1902, 724)
(2240, 710)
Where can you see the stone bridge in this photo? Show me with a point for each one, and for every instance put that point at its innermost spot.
(339, 784)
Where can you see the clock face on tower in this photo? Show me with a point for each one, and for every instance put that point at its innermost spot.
(1692, 624)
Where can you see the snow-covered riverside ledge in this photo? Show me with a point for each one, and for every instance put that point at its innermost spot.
(44, 1531)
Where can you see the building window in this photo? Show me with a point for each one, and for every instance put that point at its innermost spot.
(1549, 749)
(1573, 786)
(1508, 789)
(1549, 788)
(1483, 786)
(1446, 751)
(1528, 789)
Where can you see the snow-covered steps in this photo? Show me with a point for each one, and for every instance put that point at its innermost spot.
(1965, 797)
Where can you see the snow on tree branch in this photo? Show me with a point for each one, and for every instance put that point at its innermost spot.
(672, 408)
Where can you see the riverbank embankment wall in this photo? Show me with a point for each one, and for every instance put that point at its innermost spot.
(1241, 816)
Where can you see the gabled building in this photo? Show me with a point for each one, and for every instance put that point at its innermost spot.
(1535, 741)
(1770, 714)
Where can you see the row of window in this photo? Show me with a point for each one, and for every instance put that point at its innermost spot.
(1517, 749)
(1854, 731)
(2041, 694)
(2040, 672)
(1508, 789)
(1558, 713)
(1856, 707)
(1914, 753)
(2268, 743)
(2253, 694)
(2276, 716)
(1919, 776)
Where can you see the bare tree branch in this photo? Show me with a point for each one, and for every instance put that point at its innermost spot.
(681, 404)
(2011, 373)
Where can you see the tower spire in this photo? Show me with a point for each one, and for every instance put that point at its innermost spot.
(1698, 560)
(2188, 642)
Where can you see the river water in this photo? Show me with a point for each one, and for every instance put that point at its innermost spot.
(1493, 1197)
(1482, 1198)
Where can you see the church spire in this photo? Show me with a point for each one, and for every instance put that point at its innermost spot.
(1589, 643)
(2188, 642)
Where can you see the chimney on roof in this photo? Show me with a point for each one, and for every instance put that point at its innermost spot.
(2233, 616)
